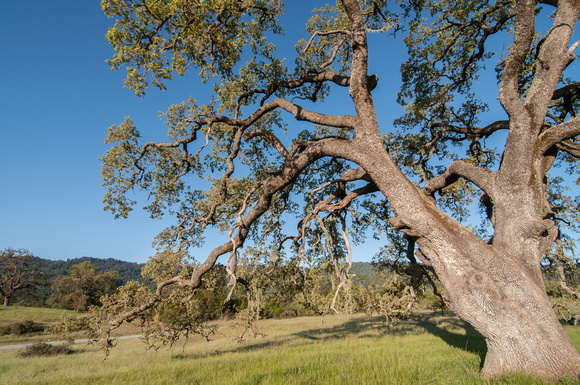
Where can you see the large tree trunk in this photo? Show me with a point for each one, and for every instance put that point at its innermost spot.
(502, 298)
(511, 310)
(6, 301)
(498, 289)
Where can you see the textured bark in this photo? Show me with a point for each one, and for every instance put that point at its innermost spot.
(511, 310)
(507, 304)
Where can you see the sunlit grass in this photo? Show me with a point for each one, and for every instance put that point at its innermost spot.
(10, 314)
(330, 350)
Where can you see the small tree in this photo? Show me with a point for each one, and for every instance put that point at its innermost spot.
(82, 287)
(19, 270)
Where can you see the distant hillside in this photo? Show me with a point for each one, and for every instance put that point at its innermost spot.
(128, 271)
(365, 274)
(359, 268)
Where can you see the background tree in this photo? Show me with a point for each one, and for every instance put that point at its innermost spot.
(82, 287)
(560, 263)
(19, 270)
(427, 173)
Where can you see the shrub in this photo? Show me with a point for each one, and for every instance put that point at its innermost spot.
(20, 328)
(44, 349)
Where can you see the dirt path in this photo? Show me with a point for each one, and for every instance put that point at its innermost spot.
(21, 346)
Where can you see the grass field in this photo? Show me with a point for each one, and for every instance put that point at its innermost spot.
(331, 350)
(10, 315)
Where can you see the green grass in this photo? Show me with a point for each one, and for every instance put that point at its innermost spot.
(46, 317)
(331, 350)
(10, 315)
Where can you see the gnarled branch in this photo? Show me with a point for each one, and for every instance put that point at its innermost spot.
(480, 176)
(558, 134)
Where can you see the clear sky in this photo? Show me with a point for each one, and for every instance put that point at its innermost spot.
(57, 99)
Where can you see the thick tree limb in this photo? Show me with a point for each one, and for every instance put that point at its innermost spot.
(558, 134)
(571, 148)
(523, 36)
(299, 113)
(359, 88)
(480, 176)
(314, 117)
(553, 57)
(553, 3)
(527, 119)
(478, 131)
(568, 90)
(272, 138)
(296, 110)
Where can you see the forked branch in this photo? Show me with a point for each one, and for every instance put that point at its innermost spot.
(288, 172)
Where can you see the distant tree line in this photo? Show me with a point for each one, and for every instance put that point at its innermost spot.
(128, 271)
(268, 291)
(27, 280)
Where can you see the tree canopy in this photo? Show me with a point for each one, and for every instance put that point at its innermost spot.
(82, 287)
(239, 164)
(19, 270)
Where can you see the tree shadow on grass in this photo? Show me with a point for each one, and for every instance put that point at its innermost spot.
(449, 328)
(360, 327)
(455, 332)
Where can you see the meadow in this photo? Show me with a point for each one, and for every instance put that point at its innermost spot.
(345, 349)
(11, 317)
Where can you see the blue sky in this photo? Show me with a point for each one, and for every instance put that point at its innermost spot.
(58, 99)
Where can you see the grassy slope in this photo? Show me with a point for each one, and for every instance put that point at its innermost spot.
(11, 314)
(336, 349)
(17, 314)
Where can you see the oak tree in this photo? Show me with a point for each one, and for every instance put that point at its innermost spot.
(424, 172)
(82, 286)
(19, 270)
